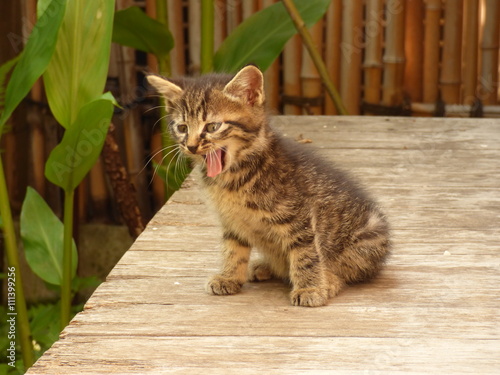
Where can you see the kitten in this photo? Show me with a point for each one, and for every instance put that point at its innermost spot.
(312, 225)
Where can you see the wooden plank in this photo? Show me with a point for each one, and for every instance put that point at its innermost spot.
(433, 309)
(271, 355)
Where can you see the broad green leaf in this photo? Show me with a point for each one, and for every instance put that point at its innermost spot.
(70, 160)
(77, 72)
(260, 38)
(42, 236)
(134, 28)
(35, 57)
(4, 71)
(41, 7)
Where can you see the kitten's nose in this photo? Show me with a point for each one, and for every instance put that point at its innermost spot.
(193, 149)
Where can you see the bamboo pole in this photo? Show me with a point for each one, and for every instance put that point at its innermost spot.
(462, 110)
(176, 26)
(351, 47)
(332, 50)
(489, 52)
(394, 59)
(292, 54)
(177, 67)
(311, 80)
(194, 31)
(315, 55)
(431, 50)
(98, 189)
(152, 60)
(234, 15)
(37, 140)
(80, 205)
(174, 21)
(470, 55)
(414, 49)
(450, 80)
(271, 75)
(220, 23)
(372, 64)
(250, 7)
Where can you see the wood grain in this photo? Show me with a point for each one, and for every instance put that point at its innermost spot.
(433, 309)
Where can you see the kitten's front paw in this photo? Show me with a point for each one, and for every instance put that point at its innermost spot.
(311, 297)
(221, 286)
(259, 271)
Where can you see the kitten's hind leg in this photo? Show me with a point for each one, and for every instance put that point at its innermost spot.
(234, 270)
(259, 270)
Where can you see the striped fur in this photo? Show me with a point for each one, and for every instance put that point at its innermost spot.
(311, 224)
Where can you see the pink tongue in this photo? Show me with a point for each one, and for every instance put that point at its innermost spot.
(214, 163)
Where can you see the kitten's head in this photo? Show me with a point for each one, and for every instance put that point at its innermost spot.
(216, 118)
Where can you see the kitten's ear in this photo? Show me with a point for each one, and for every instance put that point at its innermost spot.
(168, 89)
(247, 86)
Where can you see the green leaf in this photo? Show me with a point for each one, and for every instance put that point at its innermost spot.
(35, 57)
(42, 236)
(4, 71)
(77, 72)
(134, 28)
(70, 160)
(80, 283)
(45, 324)
(260, 38)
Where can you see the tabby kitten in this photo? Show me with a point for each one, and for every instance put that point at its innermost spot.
(312, 225)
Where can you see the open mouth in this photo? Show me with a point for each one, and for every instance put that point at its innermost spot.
(215, 162)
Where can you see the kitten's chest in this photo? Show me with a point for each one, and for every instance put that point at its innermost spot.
(233, 207)
(240, 217)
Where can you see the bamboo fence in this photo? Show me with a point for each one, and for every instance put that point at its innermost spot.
(386, 57)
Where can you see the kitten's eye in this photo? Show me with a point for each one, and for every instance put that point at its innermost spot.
(213, 126)
(182, 129)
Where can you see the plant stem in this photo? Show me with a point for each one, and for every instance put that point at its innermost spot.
(207, 35)
(315, 55)
(67, 261)
(13, 261)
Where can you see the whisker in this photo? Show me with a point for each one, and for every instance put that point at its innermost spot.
(159, 120)
(156, 153)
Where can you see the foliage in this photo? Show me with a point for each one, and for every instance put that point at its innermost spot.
(81, 145)
(45, 321)
(260, 38)
(42, 236)
(78, 69)
(133, 28)
(30, 65)
(34, 58)
(74, 81)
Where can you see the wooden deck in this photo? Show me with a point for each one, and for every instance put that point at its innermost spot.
(434, 309)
